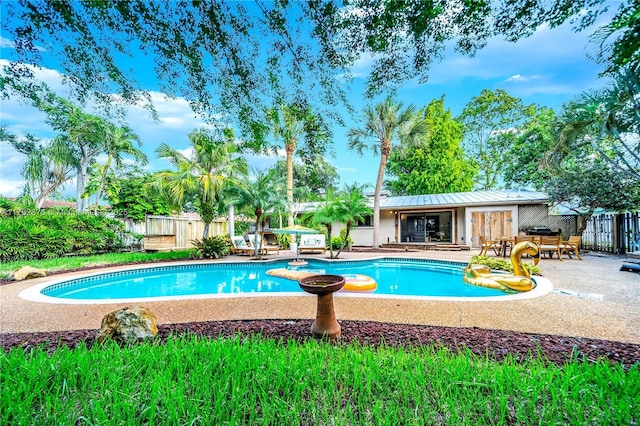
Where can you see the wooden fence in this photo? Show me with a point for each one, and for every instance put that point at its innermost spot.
(171, 232)
(617, 233)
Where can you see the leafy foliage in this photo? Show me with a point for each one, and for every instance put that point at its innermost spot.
(204, 176)
(440, 165)
(588, 156)
(386, 124)
(491, 121)
(312, 176)
(212, 247)
(48, 235)
(504, 265)
(132, 196)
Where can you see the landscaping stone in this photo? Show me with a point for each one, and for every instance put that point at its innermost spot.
(129, 325)
(27, 273)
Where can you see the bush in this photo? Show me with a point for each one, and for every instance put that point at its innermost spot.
(336, 242)
(54, 234)
(503, 265)
(212, 247)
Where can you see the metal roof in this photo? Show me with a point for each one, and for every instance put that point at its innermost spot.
(458, 199)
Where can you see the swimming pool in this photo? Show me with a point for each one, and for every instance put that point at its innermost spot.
(412, 278)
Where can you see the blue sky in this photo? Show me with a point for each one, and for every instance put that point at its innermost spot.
(548, 68)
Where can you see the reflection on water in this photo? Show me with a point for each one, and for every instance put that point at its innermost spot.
(394, 277)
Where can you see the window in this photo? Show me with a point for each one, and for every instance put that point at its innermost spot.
(368, 221)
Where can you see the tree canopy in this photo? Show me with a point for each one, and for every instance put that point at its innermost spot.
(588, 156)
(438, 166)
(240, 56)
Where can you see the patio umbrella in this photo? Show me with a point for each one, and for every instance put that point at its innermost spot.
(295, 230)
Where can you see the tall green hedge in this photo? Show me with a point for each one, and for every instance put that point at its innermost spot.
(53, 234)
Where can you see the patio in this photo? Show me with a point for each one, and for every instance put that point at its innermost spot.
(591, 298)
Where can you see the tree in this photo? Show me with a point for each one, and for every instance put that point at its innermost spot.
(263, 193)
(528, 150)
(328, 212)
(385, 124)
(239, 56)
(212, 166)
(491, 121)
(312, 176)
(132, 195)
(48, 166)
(289, 123)
(117, 141)
(80, 132)
(439, 165)
(606, 121)
(578, 156)
(230, 57)
(356, 206)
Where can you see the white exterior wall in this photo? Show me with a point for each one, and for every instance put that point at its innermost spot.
(461, 227)
(363, 235)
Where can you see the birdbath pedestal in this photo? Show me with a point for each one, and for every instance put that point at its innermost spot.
(324, 286)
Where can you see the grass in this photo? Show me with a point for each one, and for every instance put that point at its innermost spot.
(192, 380)
(75, 262)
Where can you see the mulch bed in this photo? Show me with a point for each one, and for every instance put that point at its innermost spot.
(495, 344)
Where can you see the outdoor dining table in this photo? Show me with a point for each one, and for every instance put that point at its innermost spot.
(504, 243)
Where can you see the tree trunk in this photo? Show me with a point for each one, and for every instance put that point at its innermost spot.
(83, 200)
(384, 156)
(232, 219)
(290, 147)
(101, 186)
(345, 241)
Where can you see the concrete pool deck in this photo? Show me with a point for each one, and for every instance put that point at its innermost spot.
(591, 298)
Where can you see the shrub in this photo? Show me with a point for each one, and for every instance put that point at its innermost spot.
(212, 247)
(503, 265)
(336, 242)
(54, 234)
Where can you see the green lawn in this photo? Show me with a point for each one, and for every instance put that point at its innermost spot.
(253, 380)
(75, 262)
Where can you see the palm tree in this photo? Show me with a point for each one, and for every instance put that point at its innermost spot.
(356, 204)
(288, 123)
(384, 124)
(117, 141)
(605, 121)
(263, 193)
(204, 175)
(81, 133)
(48, 165)
(332, 210)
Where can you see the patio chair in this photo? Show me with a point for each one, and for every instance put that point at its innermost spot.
(264, 246)
(571, 245)
(240, 246)
(311, 243)
(551, 245)
(531, 238)
(489, 244)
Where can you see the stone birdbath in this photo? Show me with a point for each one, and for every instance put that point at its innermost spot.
(324, 286)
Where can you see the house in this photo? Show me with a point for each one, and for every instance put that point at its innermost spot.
(454, 218)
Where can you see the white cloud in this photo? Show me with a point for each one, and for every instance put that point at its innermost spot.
(6, 43)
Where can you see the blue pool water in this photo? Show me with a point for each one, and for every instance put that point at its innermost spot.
(394, 277)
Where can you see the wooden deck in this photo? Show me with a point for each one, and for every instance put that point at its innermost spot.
(426, 246)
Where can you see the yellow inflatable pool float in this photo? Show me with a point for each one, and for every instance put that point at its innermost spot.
(482, 276)
(359, 282)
